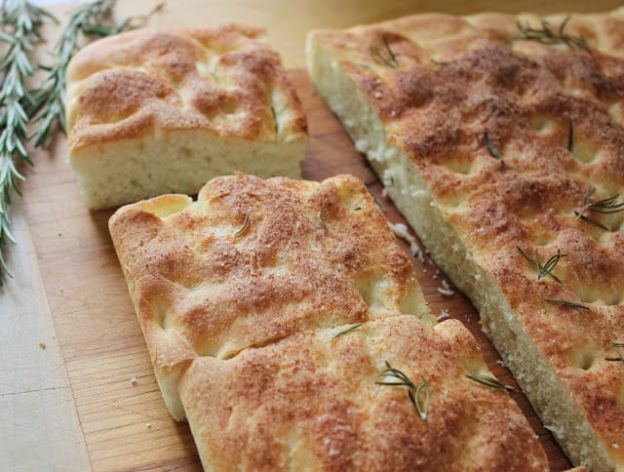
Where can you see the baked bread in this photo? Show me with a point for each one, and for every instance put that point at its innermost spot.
(501, 140)
(158, 111)
(313, 402)
(266, 308)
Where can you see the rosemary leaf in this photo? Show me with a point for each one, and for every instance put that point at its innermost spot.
(319, 217)
(605, 206)
(489, 381)
(240, 231)
(493, 150)
(383, 53)
(348, 330)
(617, 344)
(546, 35)
(570, 140)
(555, 301)
(419, 396)
(545, 269)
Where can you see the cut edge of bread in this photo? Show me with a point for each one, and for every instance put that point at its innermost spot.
(549, 396)
(115, 173)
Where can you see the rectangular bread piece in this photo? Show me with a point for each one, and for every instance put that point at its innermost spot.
(501, 140)
(270, 308)
(151, 112)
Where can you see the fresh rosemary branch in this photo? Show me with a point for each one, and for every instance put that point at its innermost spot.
(21, 22)
(605, 206)
(91, 20)
(546, 35)
(348, 330)
(493, 150)
(240, 231)
(383, 53)
(547, 268)
(489, 381)
(420, 395)
(556, 301)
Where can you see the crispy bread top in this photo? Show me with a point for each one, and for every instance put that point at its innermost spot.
(311, 402)
(225, 81)
(520, 142)
(253, 261)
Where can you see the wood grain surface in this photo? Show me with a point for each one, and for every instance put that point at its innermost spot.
(125, 424)
(66, 278)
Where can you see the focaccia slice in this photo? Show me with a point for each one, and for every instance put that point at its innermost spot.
(501, 140)
(156, 111)
(315, 401)
(253, 261)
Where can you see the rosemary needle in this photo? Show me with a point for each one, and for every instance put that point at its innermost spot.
(348, 330)
(570, 140)
(556, 301)
(605, 206)
(493, 150)
(243, 227)
(489, 381)
(384, 53)
(547, 268)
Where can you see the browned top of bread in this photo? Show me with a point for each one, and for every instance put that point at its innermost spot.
(253, 261)
(311, 402)
(555, 114)
(225, 81)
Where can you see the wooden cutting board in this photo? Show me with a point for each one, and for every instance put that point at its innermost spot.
(120, 410)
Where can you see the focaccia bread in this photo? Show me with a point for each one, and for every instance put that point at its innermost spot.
(315, 401)
(270, 309)
(253, 261)
(158, 111)
(501, 140)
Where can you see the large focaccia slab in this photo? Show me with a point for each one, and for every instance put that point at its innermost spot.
(159, 111)
(500, 139)
(270, 309)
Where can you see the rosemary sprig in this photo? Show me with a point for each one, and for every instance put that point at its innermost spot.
(493, 150)
(489, 381)
(605, 206)
(547, 268)
(549, 36)
(348, 330)
(91, 20)
(21, 22)
(570, 140)
(383, 53)
(420, 395)
(556, 301)
(243, 228)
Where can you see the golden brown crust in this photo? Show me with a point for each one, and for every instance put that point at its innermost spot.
(456, 78)
(224, 80)
(310, 402)
(253, 261)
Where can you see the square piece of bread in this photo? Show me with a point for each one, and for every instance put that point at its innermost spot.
(151, 112)
(316, 402)
(270, 309)
(501, 140)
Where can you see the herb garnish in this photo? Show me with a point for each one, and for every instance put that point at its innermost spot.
(546, 35)
(383, 52)
(547, 268)
(348, 330)
(620, 356)
(21, 22)
(605, 206)
(493, 150)
(243, 227)
(556, 301)
(419, 395)
(489, 381)
(570, 140)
